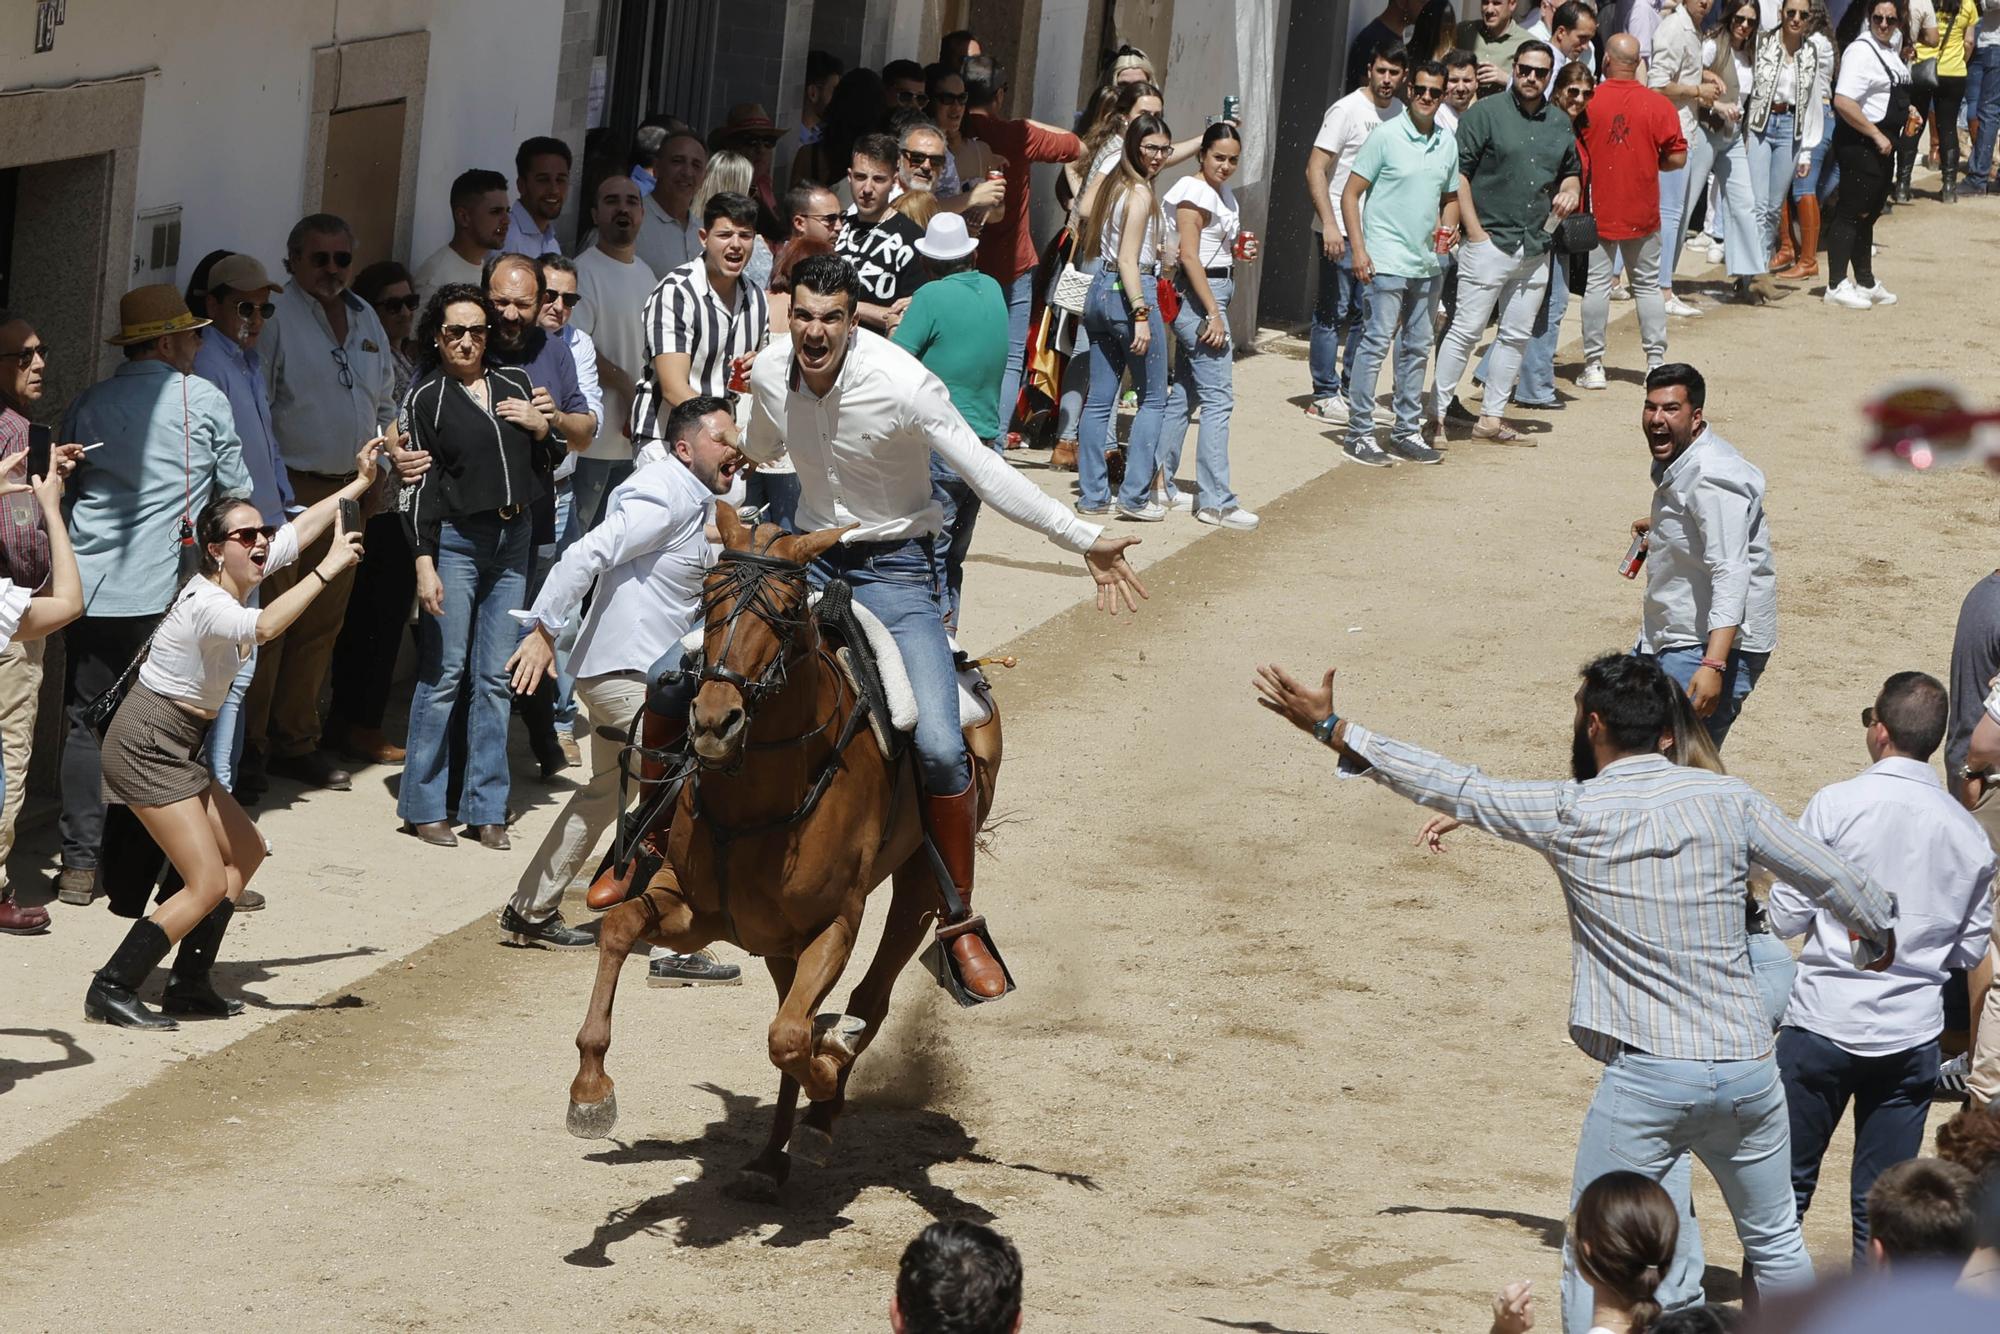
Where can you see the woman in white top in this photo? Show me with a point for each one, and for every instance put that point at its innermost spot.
(1787, 88)
(1871, 98)
(1123, 231)
(152, 750)
(1206, 223)
(1622, 1236)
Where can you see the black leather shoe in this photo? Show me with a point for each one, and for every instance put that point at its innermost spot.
(315, 768)
(551, 935)
(492, 836)
(700, 969)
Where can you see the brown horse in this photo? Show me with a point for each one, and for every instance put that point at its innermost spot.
(794, 817)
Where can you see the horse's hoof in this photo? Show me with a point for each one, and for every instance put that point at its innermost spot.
(809, 1145)
(593, 1120)
(842, 1031)
(754, 1185)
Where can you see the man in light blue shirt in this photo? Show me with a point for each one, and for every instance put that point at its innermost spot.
(170, 445)
(541, 175)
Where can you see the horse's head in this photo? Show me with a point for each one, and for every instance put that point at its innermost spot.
(754, 630)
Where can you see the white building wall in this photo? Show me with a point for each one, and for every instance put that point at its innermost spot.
(227, 114)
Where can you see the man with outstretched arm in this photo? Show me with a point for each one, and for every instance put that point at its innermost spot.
(861, 417)
(1651, 857)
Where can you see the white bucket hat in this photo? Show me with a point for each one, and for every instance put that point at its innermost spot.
(946, 238)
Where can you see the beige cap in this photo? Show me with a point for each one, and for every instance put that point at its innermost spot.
(241, 274)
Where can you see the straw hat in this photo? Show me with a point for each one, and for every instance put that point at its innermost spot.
(148, 312)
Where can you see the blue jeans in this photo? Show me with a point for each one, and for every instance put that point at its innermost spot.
(1020, 304)
(1773, 168)
(960, 504)
(1109, 324)
(1823, 171)
(1744, 256)
(1399, 317)
(1737, 683)
(1536, 383)
(1982, 102)
(1892, 1100)
(777, 496)
(224, 747)
(483, 564)
(1338, 315)
(1650, 1110)
(898, 582)
(1205, 379)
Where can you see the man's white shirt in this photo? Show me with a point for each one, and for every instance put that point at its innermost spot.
(1346, 126)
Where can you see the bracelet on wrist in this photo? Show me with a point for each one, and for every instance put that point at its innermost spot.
(324, 582)
(1715, 664)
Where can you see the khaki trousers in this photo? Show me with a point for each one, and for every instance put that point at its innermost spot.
(20, 686)
(610, 701)
(281, 708)
(1984, 1081)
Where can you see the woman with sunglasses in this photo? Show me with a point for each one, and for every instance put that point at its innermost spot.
(152, 750)
(1126, 331)
(1787, 88)
(472, 527)
(1871, 96)
(1746, 254)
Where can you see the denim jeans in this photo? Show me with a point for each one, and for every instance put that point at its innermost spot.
(224, 748)
(1489, 277)
(1020, 303)
(960, 504)
(1650, 1110)
(1641, 259)
(1536, 383)
(1892, 1100)
(898, 582)
(1822, 172)
(1109, 323)
(1338, 316)
(1744, 254)
(1677, 189)
(1744, 668)
(1774, 162)
(1982, 103)
(1399, 316)
(776, 494)
(1203, 378)
(483, 564)
(579, 508)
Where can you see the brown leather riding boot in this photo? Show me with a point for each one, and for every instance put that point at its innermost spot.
(1787, 252)
(658, 734)
(1808, 261)
(954, 823)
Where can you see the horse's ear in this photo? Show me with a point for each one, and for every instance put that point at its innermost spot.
(805, 548)
(734, 535)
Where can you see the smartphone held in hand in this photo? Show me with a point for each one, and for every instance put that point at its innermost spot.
(350, 515)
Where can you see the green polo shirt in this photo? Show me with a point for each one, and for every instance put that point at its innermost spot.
(1513, 161)
(1408, 174)
(957, 326)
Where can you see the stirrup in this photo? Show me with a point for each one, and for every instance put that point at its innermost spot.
(938, 958)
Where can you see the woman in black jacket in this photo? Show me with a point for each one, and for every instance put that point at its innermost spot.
(472, 532)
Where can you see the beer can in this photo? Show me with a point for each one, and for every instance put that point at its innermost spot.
(1441, 240)
(1635, 556)
(1230, 106)
(996, 175)
(1244, 240)
(739, 375)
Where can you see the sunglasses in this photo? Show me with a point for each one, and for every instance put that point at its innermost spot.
(1868, 717)
(33, 352)
(1532, 71)
(1577, 94)
(248, 537)
(1742, 20)
(453, 332)
(1798, 13)
(246, 309)
(569, 299)
(1886, 20)
(949, 99)
(830, 221)
(330, 259)
(396, 303)
(907, 98)
(1427, 94)
(935, 160)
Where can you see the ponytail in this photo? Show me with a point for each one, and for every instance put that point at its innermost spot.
(1624, 1232)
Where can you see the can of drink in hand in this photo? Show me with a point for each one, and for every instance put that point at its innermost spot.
(1244, 241)
(996, 175)
(1635, 556)
(739, 375)
(1230, 106)
(1441, 240)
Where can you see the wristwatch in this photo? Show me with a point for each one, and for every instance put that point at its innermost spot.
(1324, 728)
(1966, 773)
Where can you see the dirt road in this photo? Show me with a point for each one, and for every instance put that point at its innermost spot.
(1270, 1067)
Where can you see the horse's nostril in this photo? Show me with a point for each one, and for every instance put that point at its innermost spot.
(730, 721)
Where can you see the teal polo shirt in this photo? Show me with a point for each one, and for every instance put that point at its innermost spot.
(1408, 175)
(957, 326)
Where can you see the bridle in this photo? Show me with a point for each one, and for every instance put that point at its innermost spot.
(760, 584)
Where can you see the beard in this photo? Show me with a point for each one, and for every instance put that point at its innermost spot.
(1582, 759)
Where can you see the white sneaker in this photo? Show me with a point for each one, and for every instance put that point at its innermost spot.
(1714, 251)
(1147, 513)
(1847, 294)
(1877, 295)
(1620, 292)
(1332, 410)
(1234, 517)
(1172, 498)
(1592, 377)
(1675, 306)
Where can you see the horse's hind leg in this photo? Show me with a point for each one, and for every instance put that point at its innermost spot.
(593, 1104)
(762, 1176)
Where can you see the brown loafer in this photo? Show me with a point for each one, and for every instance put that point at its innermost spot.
(492, 836)
(977, 967)
(368, 743)
(18, 921)
(437, 833)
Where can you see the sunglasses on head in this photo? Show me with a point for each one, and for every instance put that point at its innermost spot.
(248, 536)
(395, 303)
(569, 299)
(454, 332)
(330, 259)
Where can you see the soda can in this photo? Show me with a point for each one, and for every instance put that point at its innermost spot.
(739, 375)
(1635, 556)
(996, 175)
(1230, 106)
(1244, 240)
(1441, 240)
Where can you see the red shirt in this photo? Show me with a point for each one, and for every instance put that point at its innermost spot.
(1630, 128)
(1006, 250)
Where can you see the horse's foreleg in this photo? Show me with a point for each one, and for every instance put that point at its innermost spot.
(812, 1058)
(593, 1105)
(761, 1177)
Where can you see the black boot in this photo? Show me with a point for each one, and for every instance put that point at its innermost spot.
(1903, 170)
(188, 988)
(113, 996)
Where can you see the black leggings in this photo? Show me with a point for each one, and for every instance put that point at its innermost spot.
(1939, 108)
(1864, 188)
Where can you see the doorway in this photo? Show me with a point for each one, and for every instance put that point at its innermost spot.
(363, 178)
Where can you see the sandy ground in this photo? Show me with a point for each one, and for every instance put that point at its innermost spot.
(1270, 1067)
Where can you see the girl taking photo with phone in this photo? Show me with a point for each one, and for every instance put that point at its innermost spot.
(152, 750)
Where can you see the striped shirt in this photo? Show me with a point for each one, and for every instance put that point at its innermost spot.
(685, 315)
(1652, 858)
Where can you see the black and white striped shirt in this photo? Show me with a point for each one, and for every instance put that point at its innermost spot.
(685, 315)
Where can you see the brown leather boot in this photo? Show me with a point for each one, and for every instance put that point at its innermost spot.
(1807, 265)
(368, 743)
(18, 921)
(1787, 252)
(658, 734)
(954, 823)
(1063, 457)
